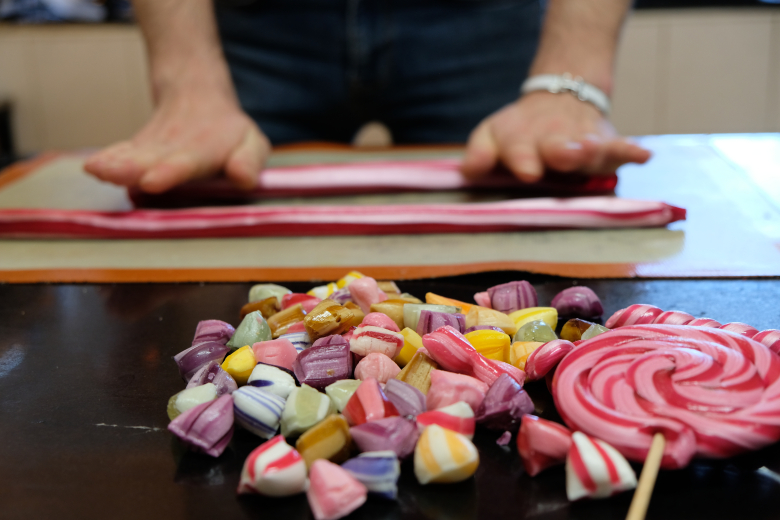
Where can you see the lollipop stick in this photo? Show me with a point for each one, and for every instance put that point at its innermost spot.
(644, 488)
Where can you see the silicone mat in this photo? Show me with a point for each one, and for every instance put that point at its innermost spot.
(732, 228)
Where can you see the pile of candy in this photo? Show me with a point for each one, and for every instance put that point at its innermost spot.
(358, 366)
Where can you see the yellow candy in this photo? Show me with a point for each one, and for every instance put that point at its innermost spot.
(281, 321)
(444, 456)
(327, 318)
(323, 291)
(549, 315)
(357, 312)
(418, 372)
(520, 350)
(393, 309)
(490, 343)
(349, 278)
(483, 316)
(329, 439)
(412, 342)
(240, 364)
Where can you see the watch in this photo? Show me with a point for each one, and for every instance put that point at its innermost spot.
(566, 83)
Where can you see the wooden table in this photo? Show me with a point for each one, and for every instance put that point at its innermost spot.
(86, 371)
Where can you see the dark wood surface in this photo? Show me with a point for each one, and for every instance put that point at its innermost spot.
(86, 372)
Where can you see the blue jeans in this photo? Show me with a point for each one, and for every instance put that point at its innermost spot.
(431, 70)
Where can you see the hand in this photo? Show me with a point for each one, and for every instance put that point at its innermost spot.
(543, 130)
(189, 136)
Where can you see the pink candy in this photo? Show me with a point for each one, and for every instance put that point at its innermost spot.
(458, 417)
(542, 444)
(453, 352)
(637, 314)
(673, 318)
(333, 493)
(595, 469)
(770, 338)
(483, 299)
(545, 358)
(740, 328)
(368, 338)
(380, 319)
(364, 292)
(278, 352)
(448, 388)
(307, 301)
(376, 366)
(367, 404)
(703, 322)
(207, 427)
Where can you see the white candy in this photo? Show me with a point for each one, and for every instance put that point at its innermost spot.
(272, 379)
(274, 469)
(257, 410)
(300, 340)
(595, 469)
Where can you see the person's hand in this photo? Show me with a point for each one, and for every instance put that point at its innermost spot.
(548, 131)
(189, 136)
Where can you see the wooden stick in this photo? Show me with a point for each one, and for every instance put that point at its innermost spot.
(644, 488)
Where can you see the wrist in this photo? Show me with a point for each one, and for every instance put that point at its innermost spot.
(191, 75)
(597, 75)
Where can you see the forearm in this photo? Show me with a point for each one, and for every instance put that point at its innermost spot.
(183, 45)
(580, 37)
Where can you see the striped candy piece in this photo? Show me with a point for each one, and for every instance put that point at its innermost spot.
(740, 328)
(378, 471)
(444, 456)
(300, 340)
(512, 296)
(368, 403)
(542, 444)
(257, 410)
(457, 417)
(637, 314)
(367, 339)
(594, 469)
(770, 338)
(275, 469)
(272, 379)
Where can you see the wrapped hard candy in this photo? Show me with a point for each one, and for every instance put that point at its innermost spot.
(504, 405)
(304, 408)
(213, 373)
(368, 403)
(418, 371)
(378, 319)
(485, 316)
(365, 292)
(191, 360)
(594, 469)
(444, 456)
(512, 296)
(326, 319)
(396, 434)
(190, 398)
(376, 366)
(278, 352)
(333, 493)
(542, 444)
(207, 427)
(535, 330)
(408, 400)
(258, 411)
(252, 329)
(412, 312)
(273, 469)
(367, 339)
(326, 362)
(432, 320)
(300, 340)
(266, 290)
(637, 314)
(240, 364)
(578, 301)
(448, 388)
(341, 391)
(547, 315)
(272, 379)
(329, 439)
(378, 471)
(458, 417)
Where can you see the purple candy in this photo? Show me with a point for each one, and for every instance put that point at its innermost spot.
(512, 296)
(341, 296)
(504, 405)
(391, 433)
(325, 362)
(207, 427)
(213, 330)
(212, 372)
(483, 327)
(432, 320)
(505, 438)
(192, 359)
(578, 301)
(407, 399)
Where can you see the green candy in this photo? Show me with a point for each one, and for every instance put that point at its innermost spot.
(253, 329)
(266, 290)
(190, 398)
(305, 407)
(536, 330)
(593, 331)
(341, 391)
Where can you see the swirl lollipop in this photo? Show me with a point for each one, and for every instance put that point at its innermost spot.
(710, 392)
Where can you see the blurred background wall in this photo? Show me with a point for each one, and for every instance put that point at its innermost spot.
(679, 71)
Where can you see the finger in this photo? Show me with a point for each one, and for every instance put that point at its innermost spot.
(245, 162)
(595, 153)
(562, 154)
(116, 164)
(522, 159)
(481, 153)
(618, 152)
(171, 171)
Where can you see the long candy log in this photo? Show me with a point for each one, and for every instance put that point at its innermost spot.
(710, 392)
(307, 220)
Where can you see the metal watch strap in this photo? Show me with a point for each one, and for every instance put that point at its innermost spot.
(566, 83)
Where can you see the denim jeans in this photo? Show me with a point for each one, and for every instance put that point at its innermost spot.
(431, 70)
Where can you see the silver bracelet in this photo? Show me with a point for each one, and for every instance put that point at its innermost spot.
(556, 84)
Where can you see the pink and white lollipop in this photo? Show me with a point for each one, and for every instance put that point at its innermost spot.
(710, 392)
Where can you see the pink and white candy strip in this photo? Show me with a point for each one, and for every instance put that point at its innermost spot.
(532, 214)
(594, 469)
(711, 392)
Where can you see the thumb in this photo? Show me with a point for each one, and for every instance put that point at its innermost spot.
(481, 152)
(247, 160)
